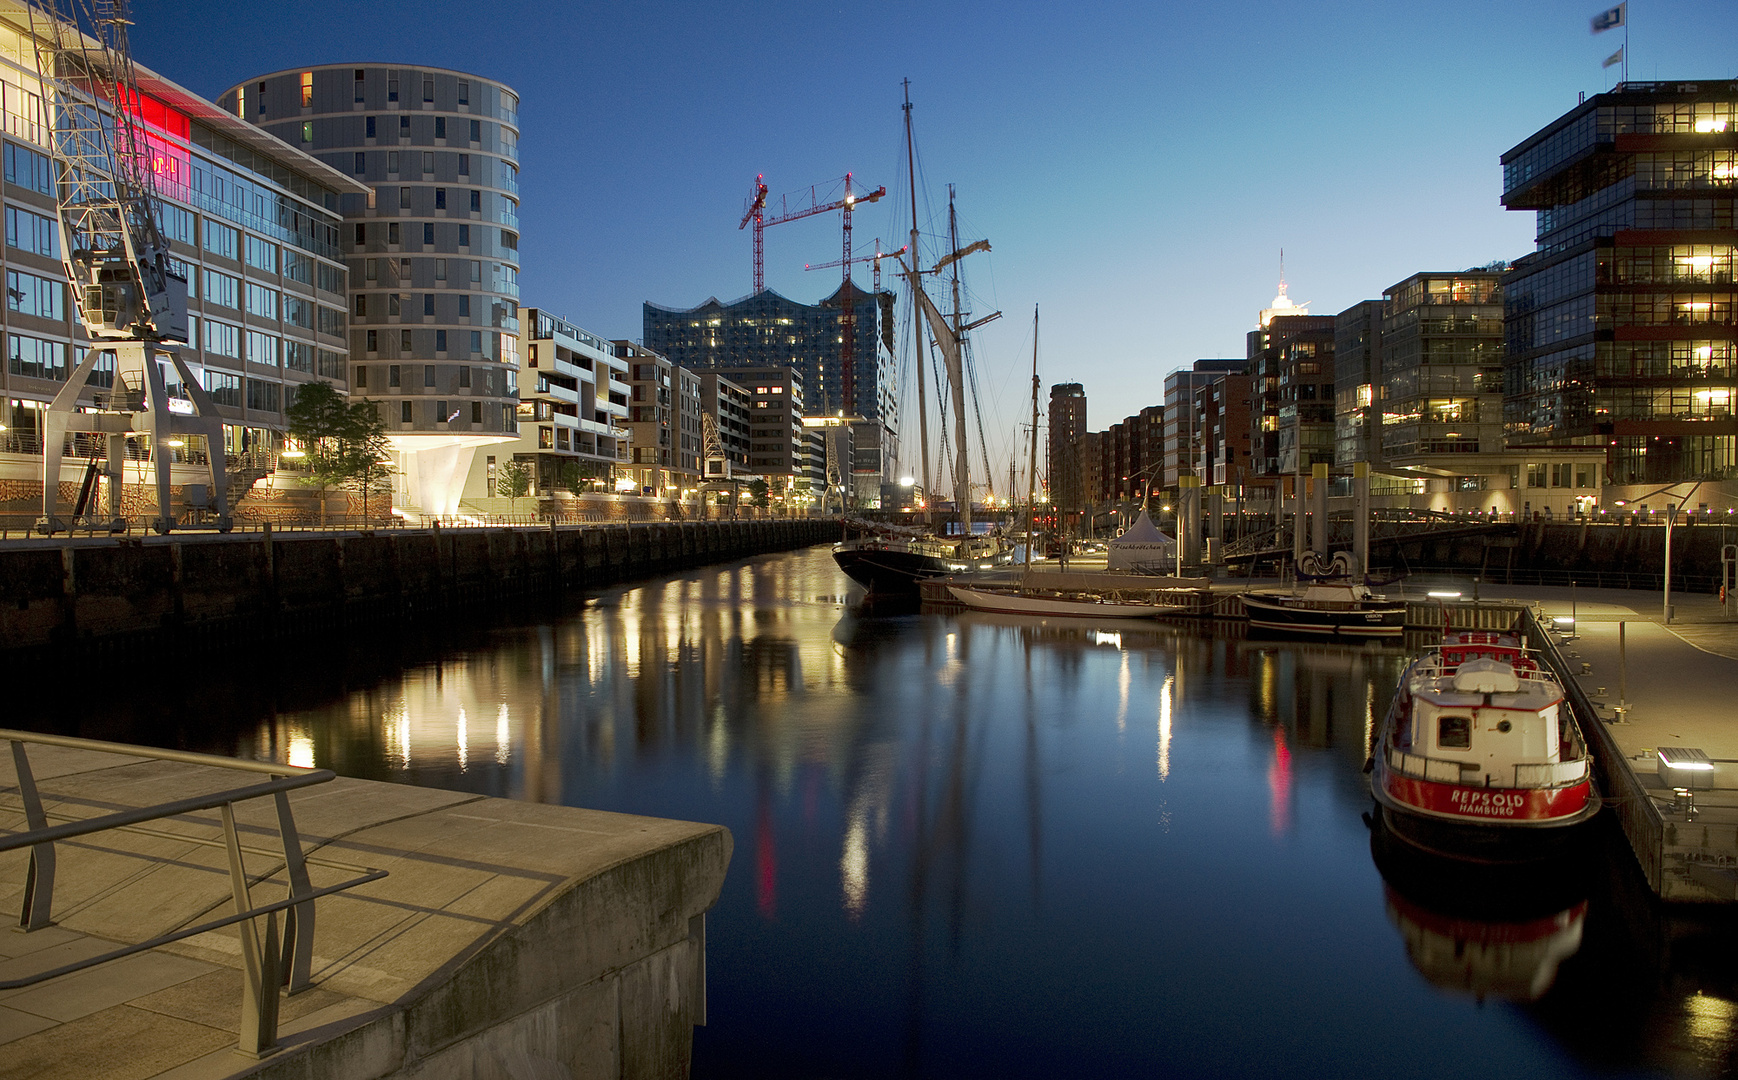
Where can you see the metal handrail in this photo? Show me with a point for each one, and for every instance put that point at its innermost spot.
(267, 966)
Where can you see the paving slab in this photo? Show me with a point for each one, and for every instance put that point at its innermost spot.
(402, 966)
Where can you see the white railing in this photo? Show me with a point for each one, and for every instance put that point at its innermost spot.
(1542, 774)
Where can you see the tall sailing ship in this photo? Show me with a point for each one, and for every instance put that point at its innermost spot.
(890, 563)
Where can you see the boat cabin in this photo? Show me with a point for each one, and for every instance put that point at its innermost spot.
(1489, 715)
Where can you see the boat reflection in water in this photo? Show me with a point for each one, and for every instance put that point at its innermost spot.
(1486, 931)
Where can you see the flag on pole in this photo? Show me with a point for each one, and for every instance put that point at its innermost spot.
(1610, 19)
(1614, 58)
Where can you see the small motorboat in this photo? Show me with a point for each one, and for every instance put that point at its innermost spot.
(1479, 755)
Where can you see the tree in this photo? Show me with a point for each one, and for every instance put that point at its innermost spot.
(513, 479)
(344, 441)
(758, 491)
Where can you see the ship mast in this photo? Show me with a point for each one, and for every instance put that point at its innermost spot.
(1032, 458)
(918, 351)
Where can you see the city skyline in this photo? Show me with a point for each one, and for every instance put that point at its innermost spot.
(1138, 170)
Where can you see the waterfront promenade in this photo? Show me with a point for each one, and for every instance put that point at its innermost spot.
(509, 938)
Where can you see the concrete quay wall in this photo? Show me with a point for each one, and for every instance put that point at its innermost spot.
(509, 939)
(182, 589)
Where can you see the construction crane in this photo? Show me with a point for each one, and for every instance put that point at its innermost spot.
(130, 297)
(874, 260)
(808, 204)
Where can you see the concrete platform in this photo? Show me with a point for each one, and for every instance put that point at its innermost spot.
(1681, 684)
(510, 939)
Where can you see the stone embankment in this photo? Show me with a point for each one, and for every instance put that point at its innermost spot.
(189, 590)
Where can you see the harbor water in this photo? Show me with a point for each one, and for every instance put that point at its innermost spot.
(973, 845)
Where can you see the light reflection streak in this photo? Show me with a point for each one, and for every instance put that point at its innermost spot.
(463, 737)
(1165, 729)
(301, 749)
(1279, 781)
(503, 736)
(1122, 687)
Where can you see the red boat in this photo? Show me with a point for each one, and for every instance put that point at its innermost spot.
(1479, 755)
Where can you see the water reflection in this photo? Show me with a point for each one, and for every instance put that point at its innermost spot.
(1483, 930)
(997, 846)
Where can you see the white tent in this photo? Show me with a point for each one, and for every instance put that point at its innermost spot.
(1142, 548)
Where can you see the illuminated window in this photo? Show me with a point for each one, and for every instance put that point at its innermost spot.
(308, 131)
(307, 89)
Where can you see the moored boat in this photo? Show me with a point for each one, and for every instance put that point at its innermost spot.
(890, 566)
(1024, 602)
(1479, 755)
(1332, 609)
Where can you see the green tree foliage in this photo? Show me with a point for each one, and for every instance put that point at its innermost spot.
(513, 479)
(345, 441)
(759, 490)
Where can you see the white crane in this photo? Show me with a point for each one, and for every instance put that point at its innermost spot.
(130, 298)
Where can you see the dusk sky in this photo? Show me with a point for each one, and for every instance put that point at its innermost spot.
(1136, 167)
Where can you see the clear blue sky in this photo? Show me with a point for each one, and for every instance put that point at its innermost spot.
(1137, 166)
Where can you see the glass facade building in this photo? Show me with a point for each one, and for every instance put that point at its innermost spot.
(1620, 327)
(1440, 381)
(252, 222)
(432, 249)
(769, 329)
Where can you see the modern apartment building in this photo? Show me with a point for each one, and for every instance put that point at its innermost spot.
(1620, 326)
(1291, 410)
(253, 223)
(777, 445)
(1064, 455)
(432, 248)
(664, 422)
(730, 405)
(1182, 421)
(1223, 407)
(573, 402)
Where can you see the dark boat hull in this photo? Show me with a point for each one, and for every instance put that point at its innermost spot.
(1373, 620)
(893, 574)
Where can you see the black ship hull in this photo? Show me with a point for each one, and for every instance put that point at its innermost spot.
(1367, 620)
(892, 574)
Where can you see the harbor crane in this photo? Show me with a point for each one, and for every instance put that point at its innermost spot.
(808, 204)
(130, 296)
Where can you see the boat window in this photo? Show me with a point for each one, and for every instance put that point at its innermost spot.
(1454, 732)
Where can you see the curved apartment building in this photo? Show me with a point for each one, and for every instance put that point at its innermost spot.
(433, 250)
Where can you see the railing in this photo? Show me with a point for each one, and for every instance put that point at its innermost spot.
(1545, 774)
(267, 965)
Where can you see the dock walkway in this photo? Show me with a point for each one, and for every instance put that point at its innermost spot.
(510, 939)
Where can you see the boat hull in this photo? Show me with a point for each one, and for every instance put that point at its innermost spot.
(893, 574)
(1016, 604)
(1375, 620)
(1496, 825)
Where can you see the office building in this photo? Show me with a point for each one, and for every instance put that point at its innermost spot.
(253, 222)
(1291, 404)
(1357, 365)
(1224, 427)
(432, 248)
(1619, 325)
